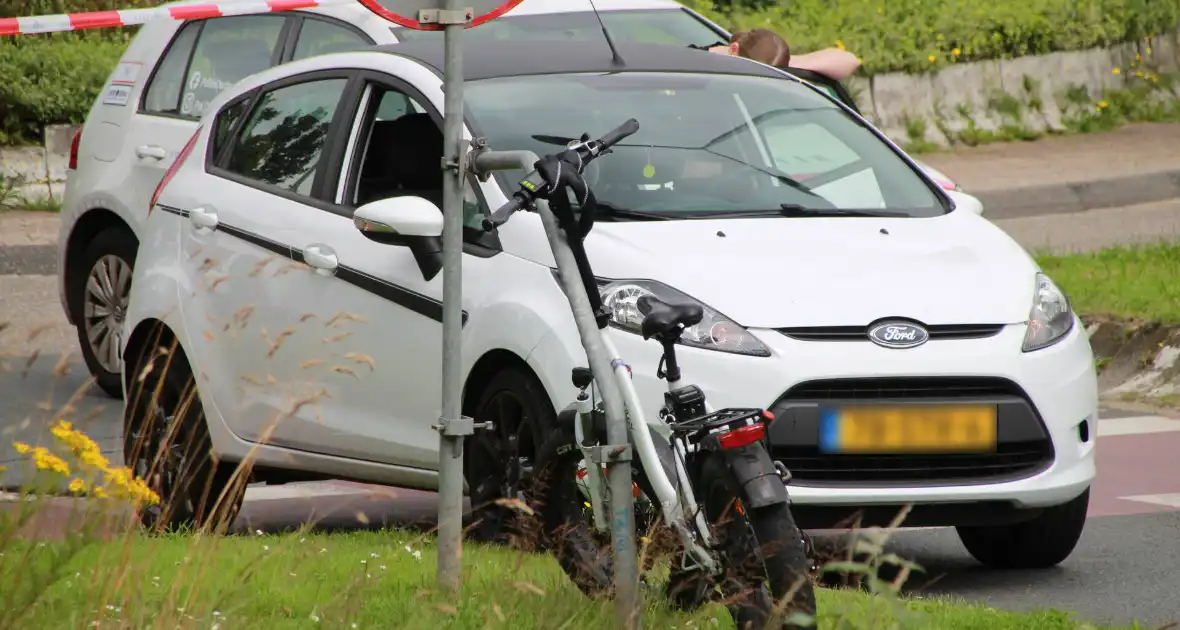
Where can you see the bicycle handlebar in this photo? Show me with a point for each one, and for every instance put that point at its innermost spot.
(533, 186)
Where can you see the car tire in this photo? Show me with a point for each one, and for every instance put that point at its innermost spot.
(166, 442)
(1040, 543)
(98, 307)
(497, 463)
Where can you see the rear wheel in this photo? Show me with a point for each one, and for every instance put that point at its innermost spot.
(1040, 543)
(762, 552)
(166, 443)
(99, 292)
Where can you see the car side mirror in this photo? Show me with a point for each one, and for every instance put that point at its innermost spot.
(963, 201)
(411, 222)
(390, 221)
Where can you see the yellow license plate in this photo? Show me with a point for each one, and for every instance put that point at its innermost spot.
(931, 429)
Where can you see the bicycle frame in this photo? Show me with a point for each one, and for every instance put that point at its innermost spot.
(672, 499)
(613, 379)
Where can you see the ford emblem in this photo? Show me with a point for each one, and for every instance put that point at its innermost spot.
(896, 334)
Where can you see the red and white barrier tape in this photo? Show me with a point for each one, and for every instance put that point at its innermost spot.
(131, 17)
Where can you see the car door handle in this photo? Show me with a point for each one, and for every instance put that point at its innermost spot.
(321, 258)
(150, 151)
(203, 218)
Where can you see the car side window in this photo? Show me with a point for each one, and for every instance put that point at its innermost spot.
(402, 155)
(228, 50)
(321, 37)
(226, 121)
(163, 91)
(282, 141)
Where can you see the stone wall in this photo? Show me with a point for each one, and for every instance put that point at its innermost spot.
(1028, 92)
(38, 172)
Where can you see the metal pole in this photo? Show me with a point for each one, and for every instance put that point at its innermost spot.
(453, 427)
(622, 517)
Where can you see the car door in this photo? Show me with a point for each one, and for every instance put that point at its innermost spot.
(204, 57)
(378, 358)
(264, 170)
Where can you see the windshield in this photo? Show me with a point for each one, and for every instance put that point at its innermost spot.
(707, 144)
(665, 26)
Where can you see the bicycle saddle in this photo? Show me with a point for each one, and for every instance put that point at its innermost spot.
(661, 318)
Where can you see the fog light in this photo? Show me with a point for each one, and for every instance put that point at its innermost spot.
(1084, 431)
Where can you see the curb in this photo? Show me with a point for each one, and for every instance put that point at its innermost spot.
(1079, 196)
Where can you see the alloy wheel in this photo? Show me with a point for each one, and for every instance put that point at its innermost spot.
(108, 291)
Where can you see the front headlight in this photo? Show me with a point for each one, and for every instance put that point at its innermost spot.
(715, 332)
(1051, 316)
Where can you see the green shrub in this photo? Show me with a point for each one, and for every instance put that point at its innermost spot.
(923, 35)
(51, 79)
(22, 8)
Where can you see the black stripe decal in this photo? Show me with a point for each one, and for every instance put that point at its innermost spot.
(416, 302)
(254, 239)
(170, 210)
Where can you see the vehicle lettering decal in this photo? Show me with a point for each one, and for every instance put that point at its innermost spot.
(421, 304)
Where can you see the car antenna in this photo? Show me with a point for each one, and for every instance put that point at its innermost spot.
(616, 58)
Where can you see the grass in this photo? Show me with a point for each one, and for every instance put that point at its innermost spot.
(1136, 282)
(380, 580)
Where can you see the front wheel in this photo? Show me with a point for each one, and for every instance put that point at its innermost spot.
(1040, 543)
(762, 552)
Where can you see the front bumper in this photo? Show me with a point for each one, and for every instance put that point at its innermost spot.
(1049, 394)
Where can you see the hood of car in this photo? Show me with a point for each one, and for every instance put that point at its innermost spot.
(795, 272)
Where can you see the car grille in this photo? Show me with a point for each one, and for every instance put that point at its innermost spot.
(1023, 449)
(861, 333)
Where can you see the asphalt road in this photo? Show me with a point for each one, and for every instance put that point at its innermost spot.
(1125, 568)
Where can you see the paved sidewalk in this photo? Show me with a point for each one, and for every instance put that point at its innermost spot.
(1133, 165)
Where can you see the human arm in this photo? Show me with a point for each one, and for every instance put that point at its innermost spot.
(832, 62)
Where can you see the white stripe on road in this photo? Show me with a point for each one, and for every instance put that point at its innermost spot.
(1167, 500)
(1137, 425)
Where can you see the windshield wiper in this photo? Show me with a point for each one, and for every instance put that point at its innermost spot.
(610, 211)
(796, 210)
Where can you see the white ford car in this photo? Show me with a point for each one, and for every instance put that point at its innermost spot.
(171, 71)
(911, 351)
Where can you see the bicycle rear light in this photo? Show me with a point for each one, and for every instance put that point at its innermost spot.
(743, 436)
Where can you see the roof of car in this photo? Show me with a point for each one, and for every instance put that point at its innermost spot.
(520, 58)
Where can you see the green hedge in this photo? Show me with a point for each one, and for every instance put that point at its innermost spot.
(49, 79)
(921, 35)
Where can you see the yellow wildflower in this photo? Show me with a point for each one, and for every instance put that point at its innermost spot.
(99, 492)
(1102, 105)
(22, 448)
(77, 486)
(78, 442)
(956, 52)
(840, 45)
(45, 460)
(932, 58)
(1149, 51)
(94, 459)
(1116, 71)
